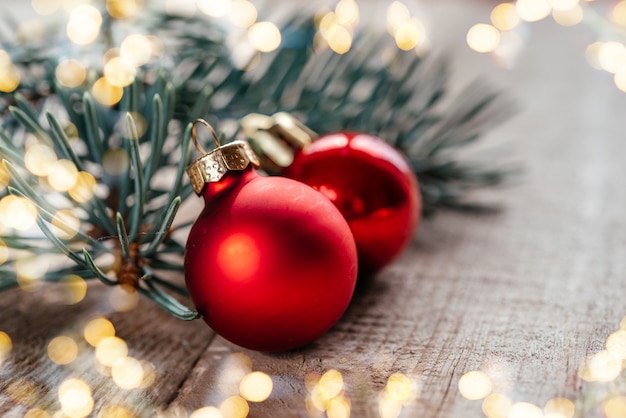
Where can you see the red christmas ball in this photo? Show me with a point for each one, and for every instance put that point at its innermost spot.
(270, 264)
(371, 184)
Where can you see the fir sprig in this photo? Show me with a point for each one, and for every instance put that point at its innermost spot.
(375, 88)
(129, 222)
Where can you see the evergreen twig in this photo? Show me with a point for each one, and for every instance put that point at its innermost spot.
(131, 214)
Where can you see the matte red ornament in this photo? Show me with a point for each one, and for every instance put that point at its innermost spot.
(270, 263)
(372, 185)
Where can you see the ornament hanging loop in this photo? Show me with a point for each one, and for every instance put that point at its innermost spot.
(213, 165)
(195, 138)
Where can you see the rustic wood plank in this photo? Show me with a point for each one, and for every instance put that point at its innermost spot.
(151, 335)
(523, 294)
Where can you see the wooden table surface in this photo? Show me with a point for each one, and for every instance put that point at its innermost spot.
(523, 294)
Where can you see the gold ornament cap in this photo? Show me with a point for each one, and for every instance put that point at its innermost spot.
(214, 164)
(276, 138)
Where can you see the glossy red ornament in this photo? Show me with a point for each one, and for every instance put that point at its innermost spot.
(270, 263)
(372, 185)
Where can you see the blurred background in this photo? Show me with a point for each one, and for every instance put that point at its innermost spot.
(563, 63)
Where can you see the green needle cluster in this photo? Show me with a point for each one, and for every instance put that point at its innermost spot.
(374, 88)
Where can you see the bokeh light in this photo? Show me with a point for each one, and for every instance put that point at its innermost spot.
(612, 56)
(397, 15)
(66, 223)
(39, 159)
(36, 413)
(116, 161)
(618, 13)
(106, 93)
(136, 49)
(17, 212)
(532, 10)
(399, 391)
(149, 374)
(497, 405)
(215, 8)
(389, 407)
(620, 79)
(116, 411)
(111, 349)
(601, 367)
(71, 73)
(62, 350)
(562, 407)
(123, 298)
(339, 407)
(525, 410)
(234, 407)
(83, 26)
(483, 37)
(326, 23)
(122, 9)
(568, 17)
(30, 271)
(45, 7)
(347, 13)
(4, 177)
(75, 398)
(127, 373)
(331, 383)
(592, 54)
(98, 329)
(256, 387)
(475, 385)
(614, 407)
(410, 35)
(140, 125)
(264, 36)
(84, 188)
(207, 412)
(504, 16)
(235, 367)
(339, 39)
(119, 72)
(6, 346)
(73, 288)
(62, 175)
(563, 4)
(616, 344)
(319, 399)
(4, 252)
(401, 388)
(243, 13)
(326, 394)
(9, 77)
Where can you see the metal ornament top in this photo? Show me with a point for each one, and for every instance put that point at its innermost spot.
(213, 165)
(276, 138)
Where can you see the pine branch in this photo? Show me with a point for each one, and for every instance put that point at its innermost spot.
(402, 104)
(123, 234)
(399, 97)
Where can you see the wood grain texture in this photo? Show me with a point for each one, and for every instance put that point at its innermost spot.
(523, 294)
(29, 379)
